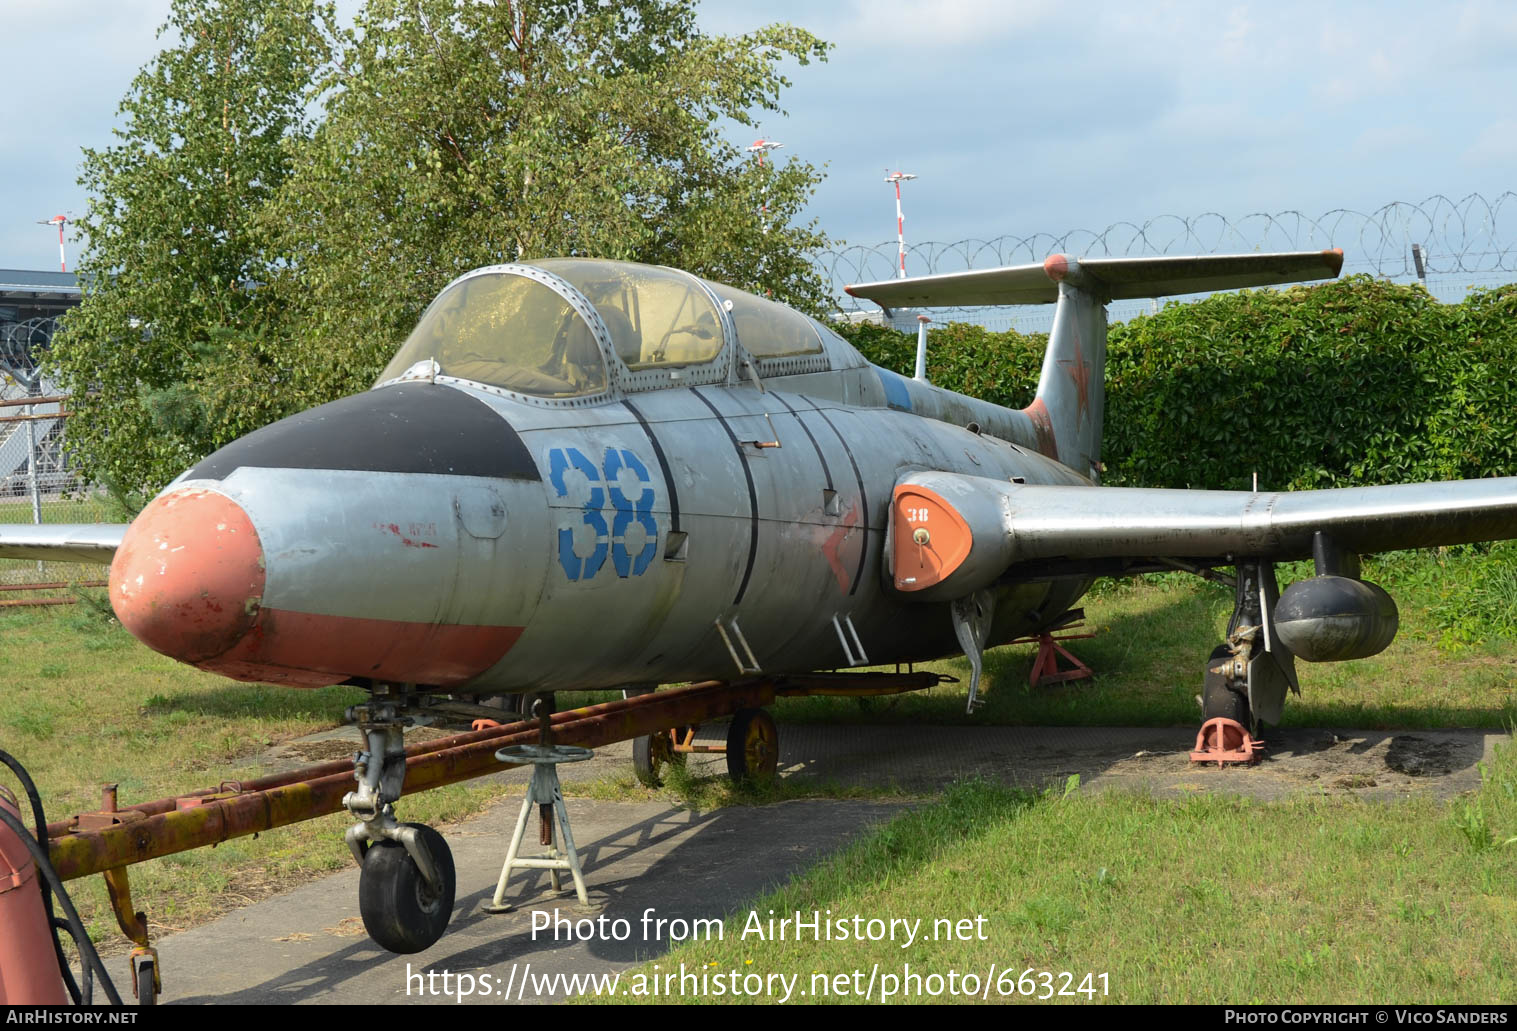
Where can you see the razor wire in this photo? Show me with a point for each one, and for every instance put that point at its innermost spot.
(21, 347)
(32, 458)
(1466, 237)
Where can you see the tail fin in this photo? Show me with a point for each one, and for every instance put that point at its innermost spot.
(1071, 393)
(1071, 390)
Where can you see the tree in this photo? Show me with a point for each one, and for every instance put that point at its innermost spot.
(468, 134)
(172, 319)
(288, 196)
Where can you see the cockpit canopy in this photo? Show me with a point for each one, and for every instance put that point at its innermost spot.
(515, 328)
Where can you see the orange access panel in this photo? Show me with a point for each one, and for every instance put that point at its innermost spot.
(931, 538)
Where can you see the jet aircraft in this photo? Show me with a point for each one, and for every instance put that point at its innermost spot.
(580, 474)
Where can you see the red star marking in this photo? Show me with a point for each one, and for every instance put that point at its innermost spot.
(833, 546)
(1079, 371)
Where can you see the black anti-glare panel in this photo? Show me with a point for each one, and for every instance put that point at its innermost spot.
(406, 428)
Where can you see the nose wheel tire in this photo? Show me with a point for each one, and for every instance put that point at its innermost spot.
(753, 747)
(401, 912)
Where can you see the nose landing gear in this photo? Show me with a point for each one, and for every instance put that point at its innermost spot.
(404, 910)
(407, 883)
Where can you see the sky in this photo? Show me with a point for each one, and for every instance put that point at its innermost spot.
(1017, 117)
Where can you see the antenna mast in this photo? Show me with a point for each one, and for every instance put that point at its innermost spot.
(900, 220)
(60, 221)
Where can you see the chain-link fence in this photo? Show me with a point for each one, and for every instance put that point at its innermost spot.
(37, 484)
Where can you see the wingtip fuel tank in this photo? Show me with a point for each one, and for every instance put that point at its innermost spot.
(1335, 618)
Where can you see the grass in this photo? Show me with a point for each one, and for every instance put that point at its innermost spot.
(84, 704)
(1153, 635)
(1206, 899)
(91, 508)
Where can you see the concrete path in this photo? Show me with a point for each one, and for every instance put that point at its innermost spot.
(650, 858)
(916, 759)
(309, 945)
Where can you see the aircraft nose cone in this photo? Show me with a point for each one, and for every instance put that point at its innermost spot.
(188, 577)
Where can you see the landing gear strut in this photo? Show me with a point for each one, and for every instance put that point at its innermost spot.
(406, 884)
(1219, 696)
(1248, 674)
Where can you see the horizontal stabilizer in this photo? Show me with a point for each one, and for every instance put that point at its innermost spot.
(61, 542)
(1109, 279)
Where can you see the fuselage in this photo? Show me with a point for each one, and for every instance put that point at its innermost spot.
(707, 519)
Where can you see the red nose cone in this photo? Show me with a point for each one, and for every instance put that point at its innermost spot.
(188, 577)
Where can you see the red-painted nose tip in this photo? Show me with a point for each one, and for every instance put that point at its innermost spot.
(188, 577)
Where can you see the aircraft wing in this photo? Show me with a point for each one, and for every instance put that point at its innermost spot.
(61, 542)
(1012, 524)
(1110, 278)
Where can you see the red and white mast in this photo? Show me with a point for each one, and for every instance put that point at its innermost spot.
(761, 147)
(900, 220)
(60, 221)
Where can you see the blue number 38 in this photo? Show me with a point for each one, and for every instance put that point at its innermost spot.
(626, 511)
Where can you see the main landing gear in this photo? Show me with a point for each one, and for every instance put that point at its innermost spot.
(407, 883)
(1247, 675)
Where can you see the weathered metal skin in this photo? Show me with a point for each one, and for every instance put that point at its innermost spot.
(1335, 618)
(803, 544)
(393, 576)
(448, 533)
(700, 504)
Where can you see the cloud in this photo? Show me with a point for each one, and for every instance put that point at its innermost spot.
(906, 26)
(1383, 141)
(1496, 145)
(915, 26)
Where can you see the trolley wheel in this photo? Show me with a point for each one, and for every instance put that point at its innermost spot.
(400, 911)
(1217, 698)
(147, 991)
(650, 754)
(753, 746)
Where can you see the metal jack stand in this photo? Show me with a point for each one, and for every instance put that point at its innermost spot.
(544, 793)
(1045, 669)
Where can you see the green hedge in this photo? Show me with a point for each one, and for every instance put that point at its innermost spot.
(1357, 381)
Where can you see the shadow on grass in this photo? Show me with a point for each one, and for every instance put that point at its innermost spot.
(1147, 658)
(1149, 655)
(1368, 716)
(232, 700)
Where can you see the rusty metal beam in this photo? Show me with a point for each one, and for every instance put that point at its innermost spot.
(345, 766)
(836, 684)
(153, 830)
(97, 842)
(35, 418)
(58, 585)
(21, 402)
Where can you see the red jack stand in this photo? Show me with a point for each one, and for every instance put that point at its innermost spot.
(1045, 668)
(1222, 740)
